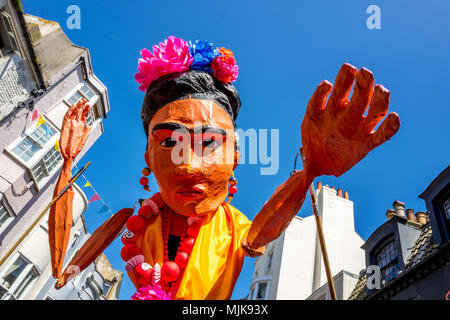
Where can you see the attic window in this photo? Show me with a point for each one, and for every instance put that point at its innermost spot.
(387, 260)
(7, 37)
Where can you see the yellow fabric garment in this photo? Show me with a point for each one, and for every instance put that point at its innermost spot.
(216, 258)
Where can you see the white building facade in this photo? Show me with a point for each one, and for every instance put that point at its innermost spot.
(42, 73)
(292, 267)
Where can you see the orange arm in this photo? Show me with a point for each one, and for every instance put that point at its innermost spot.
(278, 212)
(60, 220)
(95, 245)
(74, 134)
(335, 136)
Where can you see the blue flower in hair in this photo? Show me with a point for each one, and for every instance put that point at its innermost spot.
(203, 52)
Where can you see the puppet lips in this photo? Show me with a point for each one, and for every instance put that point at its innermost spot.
(191, 192)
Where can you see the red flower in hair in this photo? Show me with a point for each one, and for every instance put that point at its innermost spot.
(224, 66)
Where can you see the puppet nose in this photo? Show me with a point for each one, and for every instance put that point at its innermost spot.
(192, 165)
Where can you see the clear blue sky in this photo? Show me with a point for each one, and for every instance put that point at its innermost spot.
(284, 49)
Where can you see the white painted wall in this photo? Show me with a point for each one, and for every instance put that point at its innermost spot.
(297, 268)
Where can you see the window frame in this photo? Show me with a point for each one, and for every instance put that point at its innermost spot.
(269, 261)
(394, 262)
(7, 35)
(9, 211)
(10, 293)
(93, 102)
(38, 155)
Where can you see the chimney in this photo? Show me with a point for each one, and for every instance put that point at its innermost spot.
(399, 208)
(410, 214)
(390, 213)
(319, 185)
(346, 195)
(339, 193)
(422, 217)
(333, 188)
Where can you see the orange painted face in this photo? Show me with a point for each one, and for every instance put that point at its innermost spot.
(191, 153)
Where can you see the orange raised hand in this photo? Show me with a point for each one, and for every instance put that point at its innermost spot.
(74, 132)
(336, 134)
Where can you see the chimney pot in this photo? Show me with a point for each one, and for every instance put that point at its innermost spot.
(399, 208)
(422, 217)
(390, 213)
(410, 214)
(346, 195)
(333, 188)
(319, 185)
(339, 193)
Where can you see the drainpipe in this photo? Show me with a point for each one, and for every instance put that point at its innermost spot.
(18, 6)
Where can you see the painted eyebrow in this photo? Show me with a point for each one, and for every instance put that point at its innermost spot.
(210, 129)
(169, 126)
(177, 126)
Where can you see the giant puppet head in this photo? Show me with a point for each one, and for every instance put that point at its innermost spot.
(189, 114)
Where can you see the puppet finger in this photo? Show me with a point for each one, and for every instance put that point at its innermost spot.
(362, 93)
(342, 87)
(387, 129)
(316, 103)
(378, 108)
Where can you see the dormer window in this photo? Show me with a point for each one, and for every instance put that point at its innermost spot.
(387, 260)
(7, 38)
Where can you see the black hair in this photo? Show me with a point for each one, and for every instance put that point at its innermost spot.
(198, 84)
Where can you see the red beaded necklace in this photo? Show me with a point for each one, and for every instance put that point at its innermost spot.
(171, 271)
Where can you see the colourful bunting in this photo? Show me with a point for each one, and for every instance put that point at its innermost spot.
(95, 197)
(57, 146)
(40, 121)
(48, 131)
(104, 208)
(88, 184)
(35, 115)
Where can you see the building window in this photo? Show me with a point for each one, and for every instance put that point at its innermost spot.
(5, 215)
(261, 292)
(40, 141)
(84, 91)
(269, 261)
(106, 287)
(447, 209)
(388, 262)
(17, 279)
(7, 39)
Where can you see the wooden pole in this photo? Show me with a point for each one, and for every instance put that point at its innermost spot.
(323, 247)
(75, 177)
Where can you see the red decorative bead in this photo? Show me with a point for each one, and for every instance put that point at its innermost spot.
(129, 251)
(146, 172)
(153, 206)
(187, 244)
(232, 189)
(143, 273)
(145, 211)
(182, 259)
(158, 200)
(170, 271)
(135, 223)
(192, 231)
(143, 181)
(128, 237)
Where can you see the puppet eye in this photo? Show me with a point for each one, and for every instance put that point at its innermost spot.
(169, 142)
(210, 143)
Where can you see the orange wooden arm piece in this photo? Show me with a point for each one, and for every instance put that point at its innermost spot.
(95, 245)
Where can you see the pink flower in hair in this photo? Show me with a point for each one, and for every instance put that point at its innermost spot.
(170, 56)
